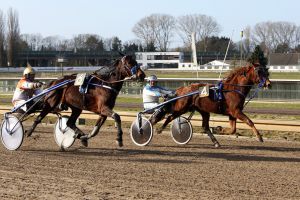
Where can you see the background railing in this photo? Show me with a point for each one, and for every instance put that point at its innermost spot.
(282, 90)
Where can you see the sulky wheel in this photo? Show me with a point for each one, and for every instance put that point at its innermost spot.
(12, 132)
(181, 130)
(64, 136)
(143, 135)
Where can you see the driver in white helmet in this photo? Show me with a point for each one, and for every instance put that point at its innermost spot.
(26, 88)
(152, 92)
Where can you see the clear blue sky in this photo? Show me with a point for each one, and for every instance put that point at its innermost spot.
(109, 18)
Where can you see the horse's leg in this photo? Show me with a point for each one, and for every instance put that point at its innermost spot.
(232, 129)
(47, 108)
(117, 119)
(62, 105)
(84, 139)
(241, 116)
(168, 120)
(107, 112)
(157, 116)
(205, 125)
(72, 121)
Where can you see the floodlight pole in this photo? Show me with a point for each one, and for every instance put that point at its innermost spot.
(194, 51)
(242, 34)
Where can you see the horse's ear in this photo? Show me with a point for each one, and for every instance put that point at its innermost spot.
(121, 54)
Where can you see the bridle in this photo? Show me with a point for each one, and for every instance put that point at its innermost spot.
(131, 72)
(262, 81)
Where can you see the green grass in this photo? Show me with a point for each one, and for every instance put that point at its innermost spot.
(168, 74)
(274, 105)
(172, 74)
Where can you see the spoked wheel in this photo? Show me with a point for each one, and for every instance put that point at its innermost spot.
(143, 135)
(12, 132)
(64, 136)
(181, 130)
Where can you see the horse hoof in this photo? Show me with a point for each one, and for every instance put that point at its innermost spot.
(119, 143)
(28, 134)
(84, 142)
(159, 131)
(217, 145)
(260, 139)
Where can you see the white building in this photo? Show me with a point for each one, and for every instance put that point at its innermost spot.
(159, 59)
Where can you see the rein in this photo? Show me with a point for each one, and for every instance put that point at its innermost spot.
(260, 85)
(125, 79)
(101, 85)
(130, 72)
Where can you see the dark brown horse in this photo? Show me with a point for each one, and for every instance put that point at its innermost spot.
(99, 96)
(228, 99)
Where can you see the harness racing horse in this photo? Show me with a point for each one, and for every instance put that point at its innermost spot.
(99, 97)
(228, 99)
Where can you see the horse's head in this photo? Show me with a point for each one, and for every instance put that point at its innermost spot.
(252, 74)
(261, 75)
(132, 69)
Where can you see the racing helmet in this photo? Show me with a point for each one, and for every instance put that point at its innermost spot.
(152, 78)
(29, 72)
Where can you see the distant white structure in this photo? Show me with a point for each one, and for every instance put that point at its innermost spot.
(159, 60)
(194, 49)
(216, 65)
(284, 68)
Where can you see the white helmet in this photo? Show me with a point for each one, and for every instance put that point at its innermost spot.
(28, 70)
(152, 78)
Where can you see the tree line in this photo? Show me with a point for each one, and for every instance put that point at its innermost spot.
(155, 32)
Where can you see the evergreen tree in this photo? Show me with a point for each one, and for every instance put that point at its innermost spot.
(258, 57)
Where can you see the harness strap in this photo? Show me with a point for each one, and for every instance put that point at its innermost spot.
(260, 85)
(105, 86)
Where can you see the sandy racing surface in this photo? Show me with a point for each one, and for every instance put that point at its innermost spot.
(240, 169)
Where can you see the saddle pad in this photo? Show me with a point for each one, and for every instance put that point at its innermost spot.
(80, 79)
(204, 91)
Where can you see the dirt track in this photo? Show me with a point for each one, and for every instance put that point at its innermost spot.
(240, 169)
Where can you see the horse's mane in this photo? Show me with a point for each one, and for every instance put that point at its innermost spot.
(105, 71)
(236, 71)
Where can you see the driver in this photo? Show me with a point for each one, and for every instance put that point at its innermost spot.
(152, 92)
(26, 88)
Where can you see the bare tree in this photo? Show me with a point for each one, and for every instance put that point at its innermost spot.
(88, 42)
(247, 44)
(51, 43)
(13, 37)
(284, 32)
(2, 40)
(144, 30)
(297, 38)
(164, 30)
(34, 41)
(274, 34)
(263, 35)
(156, 29)
(204, 27)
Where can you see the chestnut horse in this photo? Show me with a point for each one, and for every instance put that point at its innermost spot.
(99, 96)
(228, 99)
